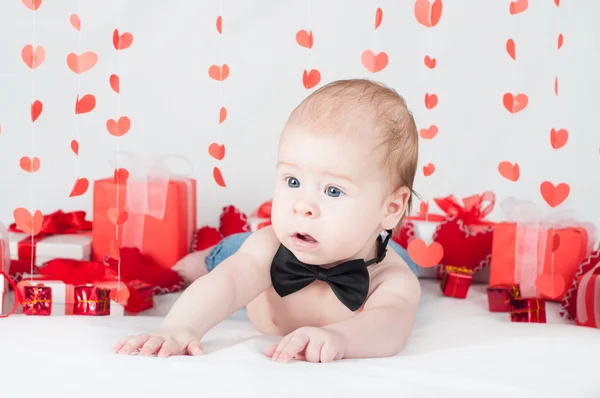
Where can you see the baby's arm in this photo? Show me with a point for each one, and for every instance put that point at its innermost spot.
(229, 287)
(387, 319)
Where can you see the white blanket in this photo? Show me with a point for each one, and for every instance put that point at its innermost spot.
(457, 349)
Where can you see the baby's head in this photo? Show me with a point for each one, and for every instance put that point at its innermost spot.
(346, 165)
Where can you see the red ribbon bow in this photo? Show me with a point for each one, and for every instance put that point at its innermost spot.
(264, 211)
(473, 211)
(60, 222)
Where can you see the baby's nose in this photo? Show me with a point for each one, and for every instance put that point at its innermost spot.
(306, 209)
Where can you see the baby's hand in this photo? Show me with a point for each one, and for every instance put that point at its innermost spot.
(308, 343)
(162, 343)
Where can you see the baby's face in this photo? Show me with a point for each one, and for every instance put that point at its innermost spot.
(329, 195)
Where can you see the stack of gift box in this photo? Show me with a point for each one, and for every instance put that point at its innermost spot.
(526, 261)
(62, 264)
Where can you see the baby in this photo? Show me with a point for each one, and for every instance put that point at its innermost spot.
(322, 274)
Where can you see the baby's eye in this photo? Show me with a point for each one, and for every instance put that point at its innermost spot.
(293, 182)
(334, 192)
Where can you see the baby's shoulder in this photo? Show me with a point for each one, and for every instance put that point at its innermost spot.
(394, 275)
(261, 245)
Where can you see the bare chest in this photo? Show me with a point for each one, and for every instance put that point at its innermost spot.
(315, 305)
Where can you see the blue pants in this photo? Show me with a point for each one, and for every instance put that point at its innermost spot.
(232, 243)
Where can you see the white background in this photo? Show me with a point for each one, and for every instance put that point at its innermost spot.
(174, 105)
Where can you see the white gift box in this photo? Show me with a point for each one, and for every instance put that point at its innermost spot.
(257, 223)
(68, 246)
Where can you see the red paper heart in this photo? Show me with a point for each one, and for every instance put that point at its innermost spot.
(218, 177)
(120, 175)
(311, 79)
(560, 40)
(464, 246)
(551, 286)
(558, 138)
(428, 14)
(75, 21)
(80, 187)
(82, 63)
(75, 147)
(122, 42)
(219, 73)
(374, 62)
(430, 62)
(554, 195)
(33, 5)
(30, 225)
(115, 83)
(510, 48)
(305, 38)
(119, 128)
(428, 134)
(36, 110)
(120, 296)
(33, 58)
(515, 103)
(428, 169)
(30, 165)
(431, 101)
(518, 6)
(509, 171)
(116, 217)
(216, 151)
(86, 104)
(426, 256)
(222, 114)
(219, 24)
(378, 17)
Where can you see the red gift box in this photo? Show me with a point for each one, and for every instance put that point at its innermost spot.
(569, 303)
(530, 310)
(91, 300)
(463, 232)
(154, 212)
(456, 281)
(541, 260)
(37, 300)
(146, 293)
(499, 297)
(588, 299)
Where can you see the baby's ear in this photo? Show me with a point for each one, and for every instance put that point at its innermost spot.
(395, 207)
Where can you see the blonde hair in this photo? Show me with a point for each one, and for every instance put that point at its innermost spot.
(358, 102)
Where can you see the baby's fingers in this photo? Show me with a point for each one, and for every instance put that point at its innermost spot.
(133, 343)
(195, 348)
(152, 346)
(169, 347)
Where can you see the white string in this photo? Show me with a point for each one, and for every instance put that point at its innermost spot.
(30, 179)
(308, 13)
(221, 69)
(117, 248)
(78, 169)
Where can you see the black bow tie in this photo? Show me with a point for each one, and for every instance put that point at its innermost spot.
(349, 280)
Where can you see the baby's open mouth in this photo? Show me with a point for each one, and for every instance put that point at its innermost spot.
(305, 238)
